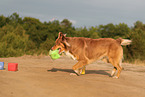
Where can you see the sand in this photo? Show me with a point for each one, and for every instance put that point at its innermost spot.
(43, 77)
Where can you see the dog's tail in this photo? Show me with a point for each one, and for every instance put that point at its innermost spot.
(124, 41)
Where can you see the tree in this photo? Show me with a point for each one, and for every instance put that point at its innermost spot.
(137, 48)
(94, 32)
(14, 19)
(67, 27)
(2, 21)
(107, 30)
(29, 35)
(139, 25)
(114, 31)
(66, 23)
(121, 30)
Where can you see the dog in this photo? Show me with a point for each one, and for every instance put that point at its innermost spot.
(87, 50)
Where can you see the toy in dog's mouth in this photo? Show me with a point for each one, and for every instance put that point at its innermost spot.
(54, 54)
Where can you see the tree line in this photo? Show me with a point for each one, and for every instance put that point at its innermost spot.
(28, 35)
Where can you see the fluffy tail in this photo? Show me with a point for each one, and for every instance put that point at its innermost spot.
(124, 41)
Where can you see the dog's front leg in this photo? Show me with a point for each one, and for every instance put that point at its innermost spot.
(79, 67)
(82, 71)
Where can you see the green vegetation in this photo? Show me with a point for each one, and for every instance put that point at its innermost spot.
(19, 36)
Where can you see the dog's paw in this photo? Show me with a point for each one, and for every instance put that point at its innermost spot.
(115, 77)
(82, 73)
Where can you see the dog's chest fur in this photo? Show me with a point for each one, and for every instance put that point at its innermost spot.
(70, 55)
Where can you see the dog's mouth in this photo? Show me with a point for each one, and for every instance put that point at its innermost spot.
(59, 50)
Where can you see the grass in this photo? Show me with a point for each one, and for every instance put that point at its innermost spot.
(139, 62)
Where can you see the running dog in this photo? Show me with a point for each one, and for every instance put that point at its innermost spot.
(87, 50)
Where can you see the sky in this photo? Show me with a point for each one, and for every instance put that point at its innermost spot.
(80, 12)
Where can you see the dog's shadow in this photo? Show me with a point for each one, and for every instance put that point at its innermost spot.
(102, 72)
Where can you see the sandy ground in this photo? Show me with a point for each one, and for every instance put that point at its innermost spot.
(43, 77)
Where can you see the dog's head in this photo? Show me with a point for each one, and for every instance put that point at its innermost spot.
(61, 43)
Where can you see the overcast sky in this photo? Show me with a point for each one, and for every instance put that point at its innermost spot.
(80, 12)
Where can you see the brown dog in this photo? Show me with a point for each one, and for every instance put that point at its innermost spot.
(87, 50)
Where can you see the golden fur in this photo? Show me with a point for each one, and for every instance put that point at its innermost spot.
(87, 50)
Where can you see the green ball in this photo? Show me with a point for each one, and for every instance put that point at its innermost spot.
(54, 54)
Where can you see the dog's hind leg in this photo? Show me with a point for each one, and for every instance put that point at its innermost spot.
(113, 71)
(117, 66)
(119, 71)
(79, 66)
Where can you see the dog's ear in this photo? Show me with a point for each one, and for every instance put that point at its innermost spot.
(60, 34)
(64, 35)
(65, 40)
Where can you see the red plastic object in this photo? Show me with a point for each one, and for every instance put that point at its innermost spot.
(12, 66)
